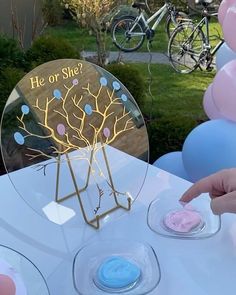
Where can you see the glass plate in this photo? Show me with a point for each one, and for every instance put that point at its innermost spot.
(91, 256)
(26, 276)
(160, 207)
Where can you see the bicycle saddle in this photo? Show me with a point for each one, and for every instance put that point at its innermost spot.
(139, 5)
(203, 2)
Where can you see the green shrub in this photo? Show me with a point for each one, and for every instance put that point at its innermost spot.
(52, 12)
(47, 48)
(124, 10)
(118, 12)
(9, 77)
(154, 4)
(10, 53)
(168, 135)
(132, 79)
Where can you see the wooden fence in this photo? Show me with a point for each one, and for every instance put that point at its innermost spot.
(21, 19)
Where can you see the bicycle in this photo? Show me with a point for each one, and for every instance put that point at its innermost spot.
(129, 32)
(189, 46)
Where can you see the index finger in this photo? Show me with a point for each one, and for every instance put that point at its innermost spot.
(204, 185)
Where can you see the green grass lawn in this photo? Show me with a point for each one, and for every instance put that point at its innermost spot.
(82, 39)
(176, 107)
(176, 95)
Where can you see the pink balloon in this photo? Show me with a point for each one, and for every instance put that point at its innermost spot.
(7, 286)
(224, 5)
(229, 25)
(224, 90)
(209, 105)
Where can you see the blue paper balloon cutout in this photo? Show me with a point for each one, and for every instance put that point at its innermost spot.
(88, 109)
(124, 97)
(57, 94)
(25, 109)
(116, 85)
(172, 163)
(19, 138)
(209, 148)
(103, 81)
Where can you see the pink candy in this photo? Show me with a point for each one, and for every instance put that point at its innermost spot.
(183, 220)
(7, 285)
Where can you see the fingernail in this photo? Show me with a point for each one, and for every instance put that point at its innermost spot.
(183, 203)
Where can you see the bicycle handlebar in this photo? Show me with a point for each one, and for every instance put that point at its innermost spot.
(146, 2)
(204, 11)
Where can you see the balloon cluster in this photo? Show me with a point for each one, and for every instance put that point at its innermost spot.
(211, 146)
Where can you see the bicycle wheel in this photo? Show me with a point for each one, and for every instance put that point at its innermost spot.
(185, 47)
(180, 17)
(128, 34)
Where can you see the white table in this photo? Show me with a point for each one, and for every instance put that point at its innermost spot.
(188, 267)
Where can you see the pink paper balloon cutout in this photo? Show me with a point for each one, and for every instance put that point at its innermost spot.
(224, 90)
(106, 132)
(229, 25)
(209, 105)
(224, 5)
(7, 286)
(61, 129)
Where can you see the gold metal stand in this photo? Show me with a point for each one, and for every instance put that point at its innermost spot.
(95, 222)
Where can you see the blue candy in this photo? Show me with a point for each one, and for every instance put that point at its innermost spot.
(117, 272)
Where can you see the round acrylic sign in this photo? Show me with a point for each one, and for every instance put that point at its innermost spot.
(74, 142)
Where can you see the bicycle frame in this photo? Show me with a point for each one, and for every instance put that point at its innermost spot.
(158, 15)
(207, 45)
(204, 21)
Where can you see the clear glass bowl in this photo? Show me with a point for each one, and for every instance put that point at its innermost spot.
(27, 278)
(159, 208)
(90, 257)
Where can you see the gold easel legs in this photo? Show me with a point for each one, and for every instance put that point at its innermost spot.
(95, 222)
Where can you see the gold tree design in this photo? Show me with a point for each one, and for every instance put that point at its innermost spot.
(77, 118)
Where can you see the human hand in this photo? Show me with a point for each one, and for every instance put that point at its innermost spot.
(221, 187)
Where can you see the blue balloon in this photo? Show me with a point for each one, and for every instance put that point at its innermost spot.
(209, 148)
(224, 55)
(172, 163)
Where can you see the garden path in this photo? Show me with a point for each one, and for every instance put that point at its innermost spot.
(136, 57)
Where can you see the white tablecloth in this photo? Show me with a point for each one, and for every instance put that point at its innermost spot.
(188, 267)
